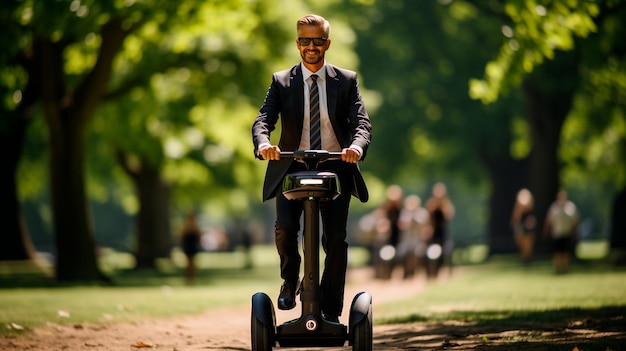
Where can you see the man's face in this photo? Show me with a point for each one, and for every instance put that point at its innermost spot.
(312, 54)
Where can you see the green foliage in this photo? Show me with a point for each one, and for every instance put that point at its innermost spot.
(184, 99)
(521, 142)
(537, 31)
(595, 133)
(422, 78)
(33, 167)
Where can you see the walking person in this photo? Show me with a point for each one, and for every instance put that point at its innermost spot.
(441, 212)
(190, 244)
(415, 228)
(389, 233)
(523, 223)
(561, 226)
(320, 108)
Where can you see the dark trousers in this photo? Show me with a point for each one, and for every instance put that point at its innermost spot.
(334, 222)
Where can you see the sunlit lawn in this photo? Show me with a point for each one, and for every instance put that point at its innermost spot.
(32, 299)
(28, 298)
(502, 288)
(509, 307)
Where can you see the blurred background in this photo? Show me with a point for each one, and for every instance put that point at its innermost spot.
(119, 118)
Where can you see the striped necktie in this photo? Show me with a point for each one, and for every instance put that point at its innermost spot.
(315, 138)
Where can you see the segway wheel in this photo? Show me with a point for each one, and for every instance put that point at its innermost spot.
(262, 328)
(261, 336)
(361, 323)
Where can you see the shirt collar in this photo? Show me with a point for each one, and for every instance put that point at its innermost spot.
(306, 73)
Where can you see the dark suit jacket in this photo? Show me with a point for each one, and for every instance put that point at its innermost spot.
(285, 98)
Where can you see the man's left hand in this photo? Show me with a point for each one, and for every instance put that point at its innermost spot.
(350, 155)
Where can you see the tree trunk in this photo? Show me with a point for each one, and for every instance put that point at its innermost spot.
(618, 221)
(16, 243)
(75, 244)
(507, 177)
(548, 94)
(154, 239)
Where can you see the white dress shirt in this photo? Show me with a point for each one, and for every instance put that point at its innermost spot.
(329, 139)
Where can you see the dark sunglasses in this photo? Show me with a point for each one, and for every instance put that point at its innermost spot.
(316, 41)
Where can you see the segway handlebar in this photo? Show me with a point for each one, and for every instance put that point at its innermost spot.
(312, 158)
(304, 155)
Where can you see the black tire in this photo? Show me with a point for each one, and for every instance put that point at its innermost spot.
(261, 336)
(262, 327)
(362, 339)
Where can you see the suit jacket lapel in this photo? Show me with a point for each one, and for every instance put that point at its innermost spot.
(332, 93)
(297, 86)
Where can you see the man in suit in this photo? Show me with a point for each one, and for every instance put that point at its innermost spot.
(343, 125)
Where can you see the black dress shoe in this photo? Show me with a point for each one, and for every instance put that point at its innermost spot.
(287, 297)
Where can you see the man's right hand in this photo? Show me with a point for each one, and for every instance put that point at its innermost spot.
(270, 152)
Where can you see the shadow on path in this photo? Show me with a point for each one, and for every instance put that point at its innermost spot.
(566, 329)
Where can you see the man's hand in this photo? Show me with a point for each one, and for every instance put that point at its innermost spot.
(350, 155)
(270, 152)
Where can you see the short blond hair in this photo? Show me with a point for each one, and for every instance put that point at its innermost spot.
(315, 20)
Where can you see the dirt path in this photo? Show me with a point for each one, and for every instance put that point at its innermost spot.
(229, 329)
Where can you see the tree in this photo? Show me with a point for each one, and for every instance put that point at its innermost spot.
(178, 114)
(68, 96)
(67, 112)
(552, 51)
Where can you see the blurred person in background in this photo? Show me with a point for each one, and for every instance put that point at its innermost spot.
(561, 227)
(241, 232)
(415, 230)
(392, 208)
(441, 212)
(190, 244)
(523, 223)
(388, 233)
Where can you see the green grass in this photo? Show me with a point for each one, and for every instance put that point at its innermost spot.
(499, 305)
(29, 297)
(502, 289)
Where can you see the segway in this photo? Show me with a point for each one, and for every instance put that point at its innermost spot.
(311, 329)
